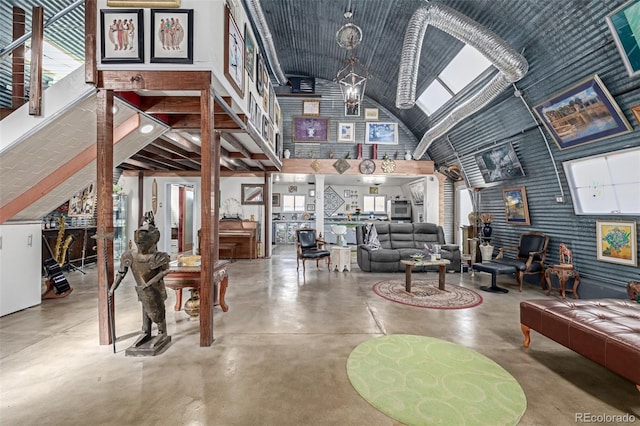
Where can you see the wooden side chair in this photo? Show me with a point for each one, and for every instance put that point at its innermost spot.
(309, 247)
(530, 254)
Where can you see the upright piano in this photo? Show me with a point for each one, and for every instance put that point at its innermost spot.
(242, 233)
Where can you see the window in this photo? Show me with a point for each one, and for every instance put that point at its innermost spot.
(463, 69)
(293, 203)
(375, 203)
(605, 184)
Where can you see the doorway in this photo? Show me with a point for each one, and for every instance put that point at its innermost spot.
(182, 214)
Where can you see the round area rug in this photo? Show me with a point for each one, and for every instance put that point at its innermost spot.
(426, 381)
(426, 294)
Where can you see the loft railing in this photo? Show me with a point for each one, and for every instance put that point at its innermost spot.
(62, 52)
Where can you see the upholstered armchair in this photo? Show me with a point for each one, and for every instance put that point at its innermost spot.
(309, 247)
(529, 254)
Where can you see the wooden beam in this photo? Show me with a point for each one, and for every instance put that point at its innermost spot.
(226, 123)
(237, 145)
(181, 151)
(17, 60)
(403, 167)
(90, 31)
(35, 82)
(182, 142)
(162, 173)
(154, 80)
(140, 196)
(171, 105)
(259, 156)
(104, 162)
(184, 122)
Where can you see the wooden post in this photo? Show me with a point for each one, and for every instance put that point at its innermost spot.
(90, 31)
(210, 172)
(267, 215)
(104, 163)
(17, 60)
(35, 83)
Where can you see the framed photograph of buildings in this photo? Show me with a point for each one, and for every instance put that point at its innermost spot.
(499, 163)
(122, 36)
(346, 132)
(617, 242)
(381, 133)
(623, 23)
(172, 36)
(515, 206)
(310, 129)
(581, 114)
(234, 53)
(371, 113)
(249, 52)
(352, 110)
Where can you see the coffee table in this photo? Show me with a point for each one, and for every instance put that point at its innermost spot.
(411, 264)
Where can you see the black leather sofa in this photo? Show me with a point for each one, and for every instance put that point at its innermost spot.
(398, 242)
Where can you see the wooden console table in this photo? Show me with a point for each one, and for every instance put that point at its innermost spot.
(563, 272)
(181, 277)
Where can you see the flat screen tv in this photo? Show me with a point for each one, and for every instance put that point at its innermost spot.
(499, 163)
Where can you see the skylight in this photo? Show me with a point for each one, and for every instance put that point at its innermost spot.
(463, 69)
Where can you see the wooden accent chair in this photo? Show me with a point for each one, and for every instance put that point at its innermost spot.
(309, 247)
(530, 254)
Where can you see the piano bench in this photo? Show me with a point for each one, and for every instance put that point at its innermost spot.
(229, 248)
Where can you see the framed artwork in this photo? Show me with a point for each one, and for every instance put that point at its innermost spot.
(293, 188)
(83, 203)
(499, 163)
(249, 53)
(252, 194)
(347, 193)
(635, 110)
(172, 36)
(310, 107)
(277, 115)
(234, 53)
(272, 103)
(617, 242)
(373, 190)
(143, 3)
(310, 129)
(122, 36)
(623, 23)
(312, 193)
(417, 192)
(371, 113)
(259, 74)
(381, 133)
(265, 96)
(346, 132)
(311, 207)
(581, 114)
(515, 206)
(275, 199)
(352, 110)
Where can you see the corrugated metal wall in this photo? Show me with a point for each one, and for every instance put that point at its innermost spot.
(583, 49)
(332, 106)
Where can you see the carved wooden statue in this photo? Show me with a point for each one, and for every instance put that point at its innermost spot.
(149, 267)
(566, 255)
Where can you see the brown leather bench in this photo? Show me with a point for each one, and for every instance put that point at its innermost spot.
(606, 331)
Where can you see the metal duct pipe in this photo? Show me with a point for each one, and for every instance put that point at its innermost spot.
(255, 12)
(511, 65)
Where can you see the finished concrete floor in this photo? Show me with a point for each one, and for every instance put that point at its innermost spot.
(279, 355)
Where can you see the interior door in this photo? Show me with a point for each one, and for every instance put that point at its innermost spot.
(186, 218)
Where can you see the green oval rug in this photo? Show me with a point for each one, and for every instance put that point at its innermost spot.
(421, 380)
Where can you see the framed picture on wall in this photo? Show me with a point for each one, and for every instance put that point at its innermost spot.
(346, 132)
(310, 129)
(172, 36)
(499, 163)
(143, 3)
(249, 52)
(635, 110)
(310, 107)
(352, 110)
(252, 193)
(515, 206)
(371, 113)
(617, 242)
(234, 53)
(259, 74)
(275, 199)
(583, 113)
(622, 23)
(122, 36)
(311, 207)
(381, 133)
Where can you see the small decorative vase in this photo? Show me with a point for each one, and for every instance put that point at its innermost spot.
(287, 153)
(487, 230)
(407, 155)
(192, 306)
